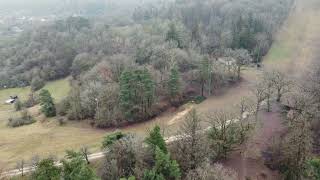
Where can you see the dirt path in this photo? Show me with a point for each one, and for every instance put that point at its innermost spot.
(248, 161)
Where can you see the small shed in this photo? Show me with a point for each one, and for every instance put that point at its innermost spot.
(12, 100)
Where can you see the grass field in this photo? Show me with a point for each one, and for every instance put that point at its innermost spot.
(286, 46)
(58, 89)
(45, 137)
(295, 43)
(41, 138)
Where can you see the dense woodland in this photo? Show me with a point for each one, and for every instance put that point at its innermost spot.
(127, 71)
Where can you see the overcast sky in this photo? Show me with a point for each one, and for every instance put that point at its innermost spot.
(45, 7)
(27, 3)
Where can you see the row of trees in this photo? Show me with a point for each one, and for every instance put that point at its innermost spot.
(293, 152)
(273, 83)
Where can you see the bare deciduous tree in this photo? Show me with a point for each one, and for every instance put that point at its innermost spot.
(85, 153)
(281, 83)
(259, 92)
(223, 133)
(297, 148)
(120, 160)
(241, 57)
(268, 84)
(246, 107)
(20, 166)
(35, 160)
(212, 172)
(190, 151)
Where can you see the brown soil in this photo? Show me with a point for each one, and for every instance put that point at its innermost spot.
(248, 161)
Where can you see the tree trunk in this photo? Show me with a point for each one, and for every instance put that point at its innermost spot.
(87, 159)
(279, 96)
(257, 111)
(239, 71)
(268, 104)
(210, 88)
(202, 89)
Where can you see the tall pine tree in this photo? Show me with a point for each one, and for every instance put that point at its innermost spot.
(126, 93)
(174, 35)
(204, 74)
(136, 93)
(174, 86)
(46, 102)
(155, 140)
(164, 168)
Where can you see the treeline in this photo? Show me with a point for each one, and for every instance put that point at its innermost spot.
(49, 51)
(295, 152)
(178, 51)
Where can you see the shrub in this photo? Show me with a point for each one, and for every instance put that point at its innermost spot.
(129, 178)
(46, 169)
(32, 100)
(61, 121)
(37, 83)
(72, 115)
(18, 105)
(111, 138)
(25, 119)
(63, 107)
(199, 99)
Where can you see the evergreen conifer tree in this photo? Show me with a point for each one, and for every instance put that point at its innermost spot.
(174, 35)
(47, 104)
(126, 93)
(136, 93)
(46, 170)
(155, 140)
(164, 168)
(174, 86)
